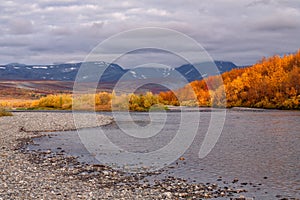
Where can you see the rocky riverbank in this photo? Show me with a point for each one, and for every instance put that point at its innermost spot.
(43, 175)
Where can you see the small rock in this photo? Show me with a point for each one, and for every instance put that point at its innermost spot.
(106, 173)
(167, 195)
(235, 180)
(48, 152)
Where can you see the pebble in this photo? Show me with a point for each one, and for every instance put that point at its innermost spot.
(235, 180)
(168, 195)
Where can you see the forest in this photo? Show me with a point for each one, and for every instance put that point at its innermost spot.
(273, 82)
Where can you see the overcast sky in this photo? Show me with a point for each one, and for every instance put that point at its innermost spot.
(49, 31)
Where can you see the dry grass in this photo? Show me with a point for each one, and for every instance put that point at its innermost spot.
(16, 103)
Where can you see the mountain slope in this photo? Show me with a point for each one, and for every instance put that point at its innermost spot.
(68, 71)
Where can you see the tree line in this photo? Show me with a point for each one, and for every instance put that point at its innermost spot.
(271, 83)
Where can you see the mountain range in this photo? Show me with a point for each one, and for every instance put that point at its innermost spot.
(112, 73)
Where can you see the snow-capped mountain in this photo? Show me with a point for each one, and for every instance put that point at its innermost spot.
(110, 72)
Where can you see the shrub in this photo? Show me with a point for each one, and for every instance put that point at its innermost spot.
(3, 112)
(63, 101)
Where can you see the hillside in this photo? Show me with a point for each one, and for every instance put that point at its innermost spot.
(271, 83)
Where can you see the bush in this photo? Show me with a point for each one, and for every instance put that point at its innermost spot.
(3, 112)
(62, 101)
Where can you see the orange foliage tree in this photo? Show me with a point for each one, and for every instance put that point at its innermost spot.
(271, 83)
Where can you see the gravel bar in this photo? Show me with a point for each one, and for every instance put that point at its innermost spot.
(42, 175)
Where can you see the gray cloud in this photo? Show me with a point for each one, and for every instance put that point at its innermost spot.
(20, 26)
(47, 31)
(259, 3)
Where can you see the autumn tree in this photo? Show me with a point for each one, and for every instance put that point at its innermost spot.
(271, 83)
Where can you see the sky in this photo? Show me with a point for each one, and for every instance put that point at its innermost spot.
(56, 31)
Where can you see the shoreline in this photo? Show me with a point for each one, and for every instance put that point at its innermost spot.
(170, 109)
(38, 175)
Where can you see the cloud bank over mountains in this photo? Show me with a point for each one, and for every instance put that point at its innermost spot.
(47, 31)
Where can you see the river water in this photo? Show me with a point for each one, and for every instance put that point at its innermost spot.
(259, 148)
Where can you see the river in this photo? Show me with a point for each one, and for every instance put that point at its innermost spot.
(258, 149)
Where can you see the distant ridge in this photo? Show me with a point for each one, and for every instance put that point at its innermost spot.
(68, 72)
